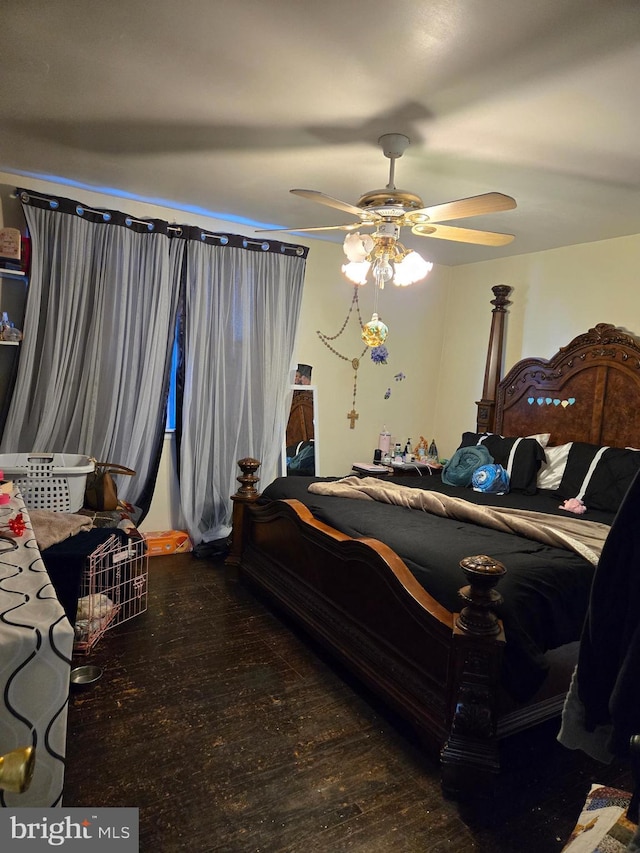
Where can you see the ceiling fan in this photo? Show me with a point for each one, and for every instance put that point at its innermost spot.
(389, 209)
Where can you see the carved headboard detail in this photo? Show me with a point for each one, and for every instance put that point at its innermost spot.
(588, 391)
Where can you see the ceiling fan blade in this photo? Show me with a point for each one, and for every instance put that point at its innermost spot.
(321, 198)
(474, 206)
(462, 235)
(351, 226)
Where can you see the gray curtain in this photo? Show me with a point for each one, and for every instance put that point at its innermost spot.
(100, 319)
(240, 320)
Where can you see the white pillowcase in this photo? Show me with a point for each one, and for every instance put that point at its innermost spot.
(551, 471)
(541, 437)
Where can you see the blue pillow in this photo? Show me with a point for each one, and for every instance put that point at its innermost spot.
(491, 479)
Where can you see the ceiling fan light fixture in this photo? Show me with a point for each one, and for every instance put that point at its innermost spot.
(356, 271)
(410, 269)
(385, 258)
(357, 246)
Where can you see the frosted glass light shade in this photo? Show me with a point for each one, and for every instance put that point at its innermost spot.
(411, 269)
(357, 246)
(356, 271)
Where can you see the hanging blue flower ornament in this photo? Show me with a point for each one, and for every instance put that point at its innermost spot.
(387, 393)
(379, 354)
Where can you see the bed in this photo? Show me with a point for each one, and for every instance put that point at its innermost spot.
(469, 632)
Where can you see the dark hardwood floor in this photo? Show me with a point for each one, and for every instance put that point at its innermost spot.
(231, 732)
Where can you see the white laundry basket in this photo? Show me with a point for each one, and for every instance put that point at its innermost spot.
(53, 481)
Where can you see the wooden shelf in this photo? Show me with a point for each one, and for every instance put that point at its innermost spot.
(12, 273)
(9, 343)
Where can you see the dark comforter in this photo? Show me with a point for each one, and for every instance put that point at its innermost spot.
(545, 590)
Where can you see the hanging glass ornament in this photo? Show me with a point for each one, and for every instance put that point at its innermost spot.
(374, 333)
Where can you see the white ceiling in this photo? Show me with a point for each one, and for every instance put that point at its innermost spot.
(224, 105)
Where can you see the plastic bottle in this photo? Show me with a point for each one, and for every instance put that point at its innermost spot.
(384, 442)
(397, 454)
(408, 451)
(432, 455)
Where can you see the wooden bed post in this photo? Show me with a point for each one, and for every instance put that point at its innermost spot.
(246, 494)
(470, 756)
(486, 407)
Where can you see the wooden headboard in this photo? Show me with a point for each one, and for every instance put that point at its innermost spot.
(588, 391)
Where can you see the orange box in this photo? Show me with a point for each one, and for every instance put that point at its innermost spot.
(161, 542)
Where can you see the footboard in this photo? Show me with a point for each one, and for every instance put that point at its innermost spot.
(439, 670)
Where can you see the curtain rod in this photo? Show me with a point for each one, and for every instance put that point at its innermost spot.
(265, 245)
(53, 203)
(236, 240)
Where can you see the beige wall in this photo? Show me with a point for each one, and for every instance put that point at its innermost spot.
(438, 335)
(415, 341)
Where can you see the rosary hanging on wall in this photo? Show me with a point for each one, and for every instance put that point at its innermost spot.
(355, 362)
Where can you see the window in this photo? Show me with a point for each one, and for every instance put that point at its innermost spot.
(171, 401)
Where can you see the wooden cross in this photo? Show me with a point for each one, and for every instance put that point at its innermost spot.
(353, 417)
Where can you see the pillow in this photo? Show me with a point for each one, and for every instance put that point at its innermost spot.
(294, 449)
(551, 471)
(469, 439)
(599, 476)
(490, 479)
(541, 437)
(521, 457)
(301, 459)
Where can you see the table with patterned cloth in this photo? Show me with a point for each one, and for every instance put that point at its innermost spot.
(604, 825)
(36, 646)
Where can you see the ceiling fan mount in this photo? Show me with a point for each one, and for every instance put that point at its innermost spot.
(393, 144)
(391, 203)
